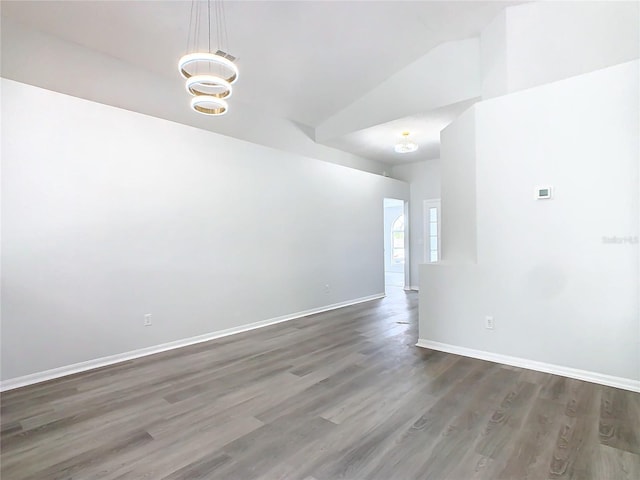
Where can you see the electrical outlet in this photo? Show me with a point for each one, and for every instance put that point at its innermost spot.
(147, 320)
(327, 288)
(489, 323)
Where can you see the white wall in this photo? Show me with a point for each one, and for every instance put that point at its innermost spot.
(108, 215)
(540, 42)
(559, 293)
(458, 218)
(493, 57)
(548, 41)
(424, 184)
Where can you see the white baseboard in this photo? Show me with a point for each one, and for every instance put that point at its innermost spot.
(594, 377)
(38, 377)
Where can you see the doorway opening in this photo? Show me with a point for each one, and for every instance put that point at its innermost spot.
(395, 243)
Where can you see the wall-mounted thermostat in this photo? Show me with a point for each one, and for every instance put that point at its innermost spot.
(543, 193)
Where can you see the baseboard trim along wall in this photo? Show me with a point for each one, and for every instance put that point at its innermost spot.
(594, 377)
(121, 357)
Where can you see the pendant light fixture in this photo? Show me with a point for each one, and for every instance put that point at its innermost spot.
(209, 74)
(405, 145)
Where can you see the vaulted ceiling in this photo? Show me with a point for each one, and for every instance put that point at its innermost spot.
(304, 61)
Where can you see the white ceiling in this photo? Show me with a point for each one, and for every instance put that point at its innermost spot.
(377, 142)
(300, 60)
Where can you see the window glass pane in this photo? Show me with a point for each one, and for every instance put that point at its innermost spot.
(398, 239)
(432, 230)
(398, 224)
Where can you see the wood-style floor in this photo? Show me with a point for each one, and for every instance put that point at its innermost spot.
(339, 395)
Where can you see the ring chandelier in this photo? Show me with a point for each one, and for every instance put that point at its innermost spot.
(208, 75)
(405, 145)
(209, 105)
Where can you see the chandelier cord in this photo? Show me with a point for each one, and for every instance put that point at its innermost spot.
(217, 6)
(209, 22)
(219, 25)
(224, 26)
(189, 31)
(208, 75)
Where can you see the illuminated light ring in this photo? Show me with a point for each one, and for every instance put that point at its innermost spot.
(197, 84)
(190, 58)
(209, 105)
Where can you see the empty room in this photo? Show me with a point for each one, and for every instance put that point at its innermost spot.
(318, 240)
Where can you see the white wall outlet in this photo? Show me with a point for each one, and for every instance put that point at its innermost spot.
(147, 320)
(489, 323)
(327, 288)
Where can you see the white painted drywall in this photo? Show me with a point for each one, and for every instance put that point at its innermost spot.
(458, 217)
(549, 41)
(424, 184)
(447, 74)
(109, 214)
(559, 294)
(493, 57)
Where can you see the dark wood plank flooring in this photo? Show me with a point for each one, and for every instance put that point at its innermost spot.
(339, 395)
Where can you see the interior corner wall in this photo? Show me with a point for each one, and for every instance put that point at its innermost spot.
(493, 57)
(559, 276)
(458, 197)
(108, 215)
(549, 41)
(424, 184)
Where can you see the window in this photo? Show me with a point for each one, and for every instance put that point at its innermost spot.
(431, 231)
(433, 234)
(397, 240)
